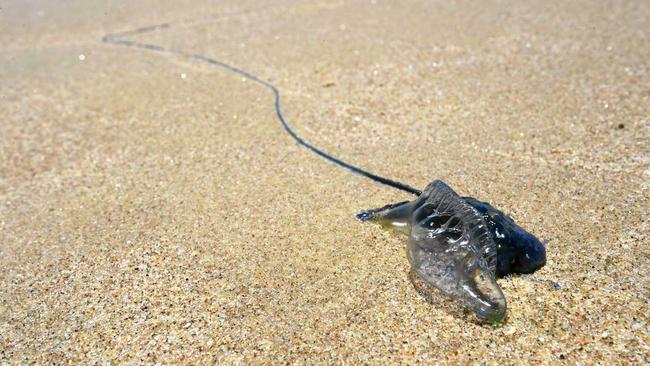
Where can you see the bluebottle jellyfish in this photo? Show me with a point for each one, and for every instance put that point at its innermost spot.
(461, 245)
(458, 244)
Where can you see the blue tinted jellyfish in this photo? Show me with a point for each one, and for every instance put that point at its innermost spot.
(460, 245)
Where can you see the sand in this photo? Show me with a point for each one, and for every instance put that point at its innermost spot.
(152, 209)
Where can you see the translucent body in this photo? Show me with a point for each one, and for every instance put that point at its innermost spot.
(452, 245)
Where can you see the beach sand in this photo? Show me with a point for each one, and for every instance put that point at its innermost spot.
(152, 208)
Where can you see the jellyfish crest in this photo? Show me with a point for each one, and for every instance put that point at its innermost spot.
(450, 247)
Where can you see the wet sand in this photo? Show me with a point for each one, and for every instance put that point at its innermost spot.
(152, 208)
